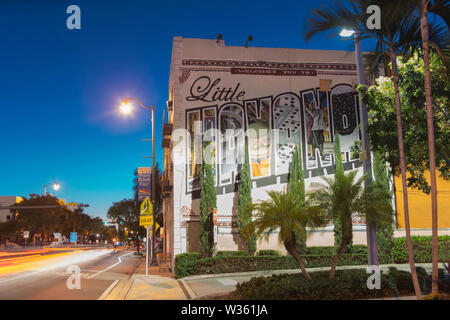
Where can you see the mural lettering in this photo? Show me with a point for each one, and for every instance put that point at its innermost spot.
(203, 89)
(273, 127)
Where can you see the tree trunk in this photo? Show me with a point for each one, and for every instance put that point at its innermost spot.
(431, 155)
(347, 235)
(291, 248)
(403, 170)
(337, 257)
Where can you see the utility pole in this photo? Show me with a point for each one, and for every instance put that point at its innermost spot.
(127, 110)
(366, 153)
(153, 184)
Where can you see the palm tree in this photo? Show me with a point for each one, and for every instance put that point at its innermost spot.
(399, 33)
(342, 197)
(442, 9)
(283, 212)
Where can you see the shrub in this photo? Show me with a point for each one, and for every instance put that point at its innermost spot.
(229, 264)
(331, 250)
(184, 263)
(231, 253)
(347, 284)
(187, 264)
(269, 253)
(422, 249)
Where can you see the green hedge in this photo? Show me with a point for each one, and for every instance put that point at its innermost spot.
(422, 249)
(231, 253)
(331, 250)
(187, 264)
(231, 264)
(269, 253)
(347, 284)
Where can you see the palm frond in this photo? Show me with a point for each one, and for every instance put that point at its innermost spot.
(332, 17)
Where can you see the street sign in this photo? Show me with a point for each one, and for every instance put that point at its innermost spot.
(73, 237)
(146, 217)
(146, 207)
(26, 234)
(144, 182)
(146, 220)
(215, 216)
(216, 233)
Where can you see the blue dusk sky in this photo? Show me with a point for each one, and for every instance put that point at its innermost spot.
(60, 89)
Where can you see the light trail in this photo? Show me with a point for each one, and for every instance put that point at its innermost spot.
(39, 262)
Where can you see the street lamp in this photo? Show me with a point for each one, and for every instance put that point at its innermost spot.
(347, 33)
(56, 186)
(126, 108)
(365, 154)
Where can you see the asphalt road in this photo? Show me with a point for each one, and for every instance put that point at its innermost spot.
(50, 278)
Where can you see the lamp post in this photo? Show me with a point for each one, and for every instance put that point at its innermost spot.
(365, 154)
(56, 186)
(126, 109)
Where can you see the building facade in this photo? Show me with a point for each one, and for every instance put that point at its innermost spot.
(6, 214)
(277, 98)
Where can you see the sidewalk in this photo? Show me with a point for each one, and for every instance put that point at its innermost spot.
(158, 285)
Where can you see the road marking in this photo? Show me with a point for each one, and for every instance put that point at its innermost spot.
(107, 291)
(115, 264)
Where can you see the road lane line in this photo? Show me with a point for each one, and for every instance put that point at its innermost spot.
(115, 264)
(107, 291)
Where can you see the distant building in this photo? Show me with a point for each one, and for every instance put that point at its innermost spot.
(6, 214)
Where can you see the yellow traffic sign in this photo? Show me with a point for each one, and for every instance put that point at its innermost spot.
(146, 207)
(146, 220)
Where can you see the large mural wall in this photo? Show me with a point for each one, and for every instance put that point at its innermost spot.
(273, 126)
(222, 97)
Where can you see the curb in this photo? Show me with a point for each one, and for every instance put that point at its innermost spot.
(190, 293)
(124, 285)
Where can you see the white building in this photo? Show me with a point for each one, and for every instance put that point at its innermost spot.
(218, 92)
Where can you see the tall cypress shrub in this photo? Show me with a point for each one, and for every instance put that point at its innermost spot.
(385, 231)
(339, 172)
(297, 188)
(208, 201)
(244, 215)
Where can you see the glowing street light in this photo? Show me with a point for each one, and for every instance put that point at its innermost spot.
(125, 107)
(56, 186)
(347, 33)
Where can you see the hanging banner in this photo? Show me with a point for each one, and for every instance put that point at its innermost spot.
(144, 183)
